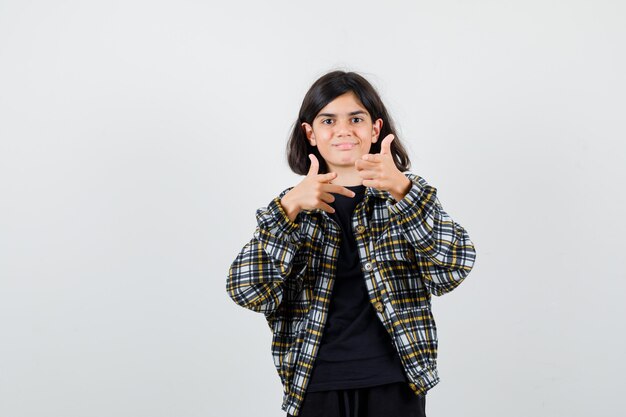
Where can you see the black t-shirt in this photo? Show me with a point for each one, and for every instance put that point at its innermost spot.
(356, 351)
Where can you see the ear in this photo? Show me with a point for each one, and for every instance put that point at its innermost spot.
(376, 127)
(308, 130)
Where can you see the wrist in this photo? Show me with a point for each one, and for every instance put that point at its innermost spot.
(290, 207)
(403, 186)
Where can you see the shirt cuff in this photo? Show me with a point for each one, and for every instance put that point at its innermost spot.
(284, 225)
(414, 200)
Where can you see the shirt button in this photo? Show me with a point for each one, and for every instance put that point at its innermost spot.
(368, 266)
(379, 306)
(360, 228)
(409, 254)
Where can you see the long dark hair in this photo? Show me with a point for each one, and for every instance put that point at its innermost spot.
(323, 91)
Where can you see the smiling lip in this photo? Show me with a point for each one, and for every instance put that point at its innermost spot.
(346, 145)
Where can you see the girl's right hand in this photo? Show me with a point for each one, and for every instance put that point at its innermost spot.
(313, 192)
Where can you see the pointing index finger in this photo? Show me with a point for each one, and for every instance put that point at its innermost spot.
(370, 157)
(339, 189)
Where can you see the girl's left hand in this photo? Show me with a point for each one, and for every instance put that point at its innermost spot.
(379, 171)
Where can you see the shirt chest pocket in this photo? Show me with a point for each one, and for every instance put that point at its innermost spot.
(301, 286)
(393, 247)
(398, 265)
(396, 258)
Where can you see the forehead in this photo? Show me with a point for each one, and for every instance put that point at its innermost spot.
(344, 105)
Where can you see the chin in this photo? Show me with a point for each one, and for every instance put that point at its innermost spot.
(349, 159)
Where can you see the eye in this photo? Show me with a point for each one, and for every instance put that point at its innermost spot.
(326, 120)
(358, 119)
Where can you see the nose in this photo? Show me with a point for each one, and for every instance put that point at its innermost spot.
(343, 128)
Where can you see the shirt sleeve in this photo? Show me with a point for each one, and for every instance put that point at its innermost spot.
(256, 276)
(445, 252)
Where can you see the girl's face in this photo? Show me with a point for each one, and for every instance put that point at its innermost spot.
(343, 131)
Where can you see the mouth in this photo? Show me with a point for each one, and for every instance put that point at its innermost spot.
(345, 145)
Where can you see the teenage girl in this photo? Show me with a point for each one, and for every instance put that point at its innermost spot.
(343, 264)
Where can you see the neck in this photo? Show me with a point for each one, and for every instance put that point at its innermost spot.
(347, 177)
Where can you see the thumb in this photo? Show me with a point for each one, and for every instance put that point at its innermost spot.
(315, 165)
(385, 147)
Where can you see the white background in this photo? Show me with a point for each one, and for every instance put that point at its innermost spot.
(139, 137)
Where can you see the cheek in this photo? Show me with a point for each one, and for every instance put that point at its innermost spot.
(326, 135)
(324, 147)
(366, 134)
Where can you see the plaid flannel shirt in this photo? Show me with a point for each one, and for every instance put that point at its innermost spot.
(409, 250)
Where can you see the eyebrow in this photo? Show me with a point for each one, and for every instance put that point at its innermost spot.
(353, 113)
